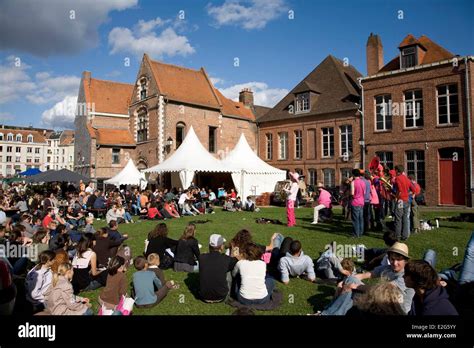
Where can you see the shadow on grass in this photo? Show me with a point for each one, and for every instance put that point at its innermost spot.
(192, 282)
(322, 297)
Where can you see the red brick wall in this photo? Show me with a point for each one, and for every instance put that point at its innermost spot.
(308, 161)
(431, 137)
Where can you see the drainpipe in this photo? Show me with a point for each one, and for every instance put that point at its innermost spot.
(469, 133)
(362, 132)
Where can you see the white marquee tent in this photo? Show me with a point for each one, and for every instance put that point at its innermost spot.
(251, 175)
(129, 175)
(189, 158)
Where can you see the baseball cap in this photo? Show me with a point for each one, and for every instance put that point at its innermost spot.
(216, 240)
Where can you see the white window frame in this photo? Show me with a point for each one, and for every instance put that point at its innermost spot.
(333, 173)
(385, 129)
(29, 138)
(312, 176)
(269, 146)
(416, 161)
(412, 101)
(113, 154)
(448, 96)
(302, 102)
(298, 148)
(328, 136)
(384, 161)
(402, 54)
(283, 150)
(344, 133)
(18, 136)
(10, 137)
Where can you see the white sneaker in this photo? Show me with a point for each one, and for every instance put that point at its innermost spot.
(314, 223)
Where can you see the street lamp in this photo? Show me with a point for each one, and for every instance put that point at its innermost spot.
(168, 145)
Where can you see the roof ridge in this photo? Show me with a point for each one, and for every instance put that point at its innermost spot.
(173, 65)
(116, 82)
(203, 71)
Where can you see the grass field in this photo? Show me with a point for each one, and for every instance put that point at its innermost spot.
(299, 297)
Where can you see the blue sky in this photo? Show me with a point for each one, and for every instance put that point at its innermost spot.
(51, 45)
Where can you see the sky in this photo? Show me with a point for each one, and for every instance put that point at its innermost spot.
(267, 45)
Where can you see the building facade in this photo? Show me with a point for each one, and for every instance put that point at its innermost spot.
(315, 129)
(418, 113)
(22, 149)
(60, 153)
(102, 142)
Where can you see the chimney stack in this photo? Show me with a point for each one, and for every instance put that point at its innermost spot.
(86, 76)
(246, 97)
(374, 52)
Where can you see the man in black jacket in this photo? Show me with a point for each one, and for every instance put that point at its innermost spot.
(214, 271)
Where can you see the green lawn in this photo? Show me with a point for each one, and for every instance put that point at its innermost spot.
(300, 297)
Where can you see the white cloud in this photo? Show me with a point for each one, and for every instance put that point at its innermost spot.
(52, 28)
(144, 38)
(62, 114)
(249, 14)
(262, 94)
(43, 88)
(216, 80)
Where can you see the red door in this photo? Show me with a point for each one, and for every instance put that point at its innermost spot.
(451, 181)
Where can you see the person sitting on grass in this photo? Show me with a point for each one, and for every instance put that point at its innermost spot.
(187, 251)
(116, 285)
(104, 246)
(123, 214)
(250, 205)
(89, 228)
(328, 266)
(158, 242)
(148, 289)
(169, 210)
(430, 297)
(254, 286)
(153, 213)
(112, 214)
(154, 265)
(296, 264)
(215, 278)
(114, 234)
(87, 275)
(59, 298)
(39, 279)
(229, 205)
(238, 204)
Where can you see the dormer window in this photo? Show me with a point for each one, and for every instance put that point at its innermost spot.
(302, 102)
(408, 57)
(30, 138)
(143, 88)
(1, 136)
(18, 137)
(9, 137)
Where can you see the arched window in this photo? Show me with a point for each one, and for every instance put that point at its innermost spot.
(180, 130)
(18, 137)
(142, 125)
(30, 138)
(10, 137)
(1, 136)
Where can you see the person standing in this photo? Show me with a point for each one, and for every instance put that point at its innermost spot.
(358, 188)
(324, 201)
(290, 200)
(402, 210)
(414, 206)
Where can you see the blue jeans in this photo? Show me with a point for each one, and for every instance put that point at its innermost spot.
(467, 270)
(269, 283)
(430, 257)
(402, 220)
(93, 285)
(127, 216)
(88, 312)
(357, 220)
(278, 240)
(341, 304)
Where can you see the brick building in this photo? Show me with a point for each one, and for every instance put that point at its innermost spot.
(103, 142)
(315, 128)
(147, 121)
(417, 112)
(168, 99)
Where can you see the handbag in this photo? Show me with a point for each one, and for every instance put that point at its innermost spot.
(166, 261)
(125, 305)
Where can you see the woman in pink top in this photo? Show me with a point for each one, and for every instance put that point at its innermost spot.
(324, 201)
(358, 192)
(290, 200)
